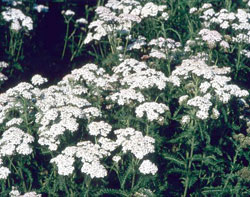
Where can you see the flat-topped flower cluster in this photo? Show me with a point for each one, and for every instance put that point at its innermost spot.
(204, 86)
(224, 28)
(119, 17)
(59, 109)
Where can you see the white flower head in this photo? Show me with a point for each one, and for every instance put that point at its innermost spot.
(116, 158)
(152, 110)
(41, 8)
(192, 10)
(185, 119)
(133, 141)
(82, 21)
(147, 167)
(99, 128)
(3, 64)
(149, 9)
(4, 172)
(64, 164)
(68, 13)
(38, 80)
(215, 113)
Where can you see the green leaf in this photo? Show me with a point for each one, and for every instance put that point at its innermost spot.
(235, 127)
(113, 192)
(174, 159)
(212, 190)
(192, 180)
(126, 175)
(184, 135)
(177, 171)
(18, 66)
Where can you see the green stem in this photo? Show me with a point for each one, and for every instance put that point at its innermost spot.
(147, 129)
(169, 67)
(87, 182)
(20, 173)
(135, 164)
(19, 50)
(11, 42)
(100, 47)
(238, 61)
(65, 186)
(232, 168)
(176, 32)
(66, 39)
(125, 48)
(79, 46)
(190, 158)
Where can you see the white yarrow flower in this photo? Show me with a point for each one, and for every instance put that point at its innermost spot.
(38, 80)
(147, 167)
(4, 172)
(99, 128)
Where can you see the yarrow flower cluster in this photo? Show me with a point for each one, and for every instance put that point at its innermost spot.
(13, 142)
(203, 104)
(82, 21)
(137, 74)
(18, 19)
(68, 13)
(15, 193)
(152, 110)
(147, 167)
(41, 8)
(38, 80)
(213, 83)
(217, 23)
(60, 108)
(120, 16)
(99, 128)
(2, 66)
(131, 140)
(163, 48)
(90, 155)
(4, 171)
(210, 37)
(126, 96)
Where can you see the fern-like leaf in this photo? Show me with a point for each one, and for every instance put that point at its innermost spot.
(113, 192)
(126, 175)
(174, 159)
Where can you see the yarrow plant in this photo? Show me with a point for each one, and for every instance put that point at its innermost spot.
(227, 30)
(159, 112)
(19, 24)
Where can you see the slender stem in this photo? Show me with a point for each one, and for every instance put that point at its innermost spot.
(19, 50)
(126, 45)
(79, 46)
(65, 186)
(77, 50)
(111, 44)
(147, 128)
(100, 47)
(135, 163)
(238, 61)
(169, 67)
(66, 39)
(232, 168)
(20, 172)
(190, 158)
(87, 182)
